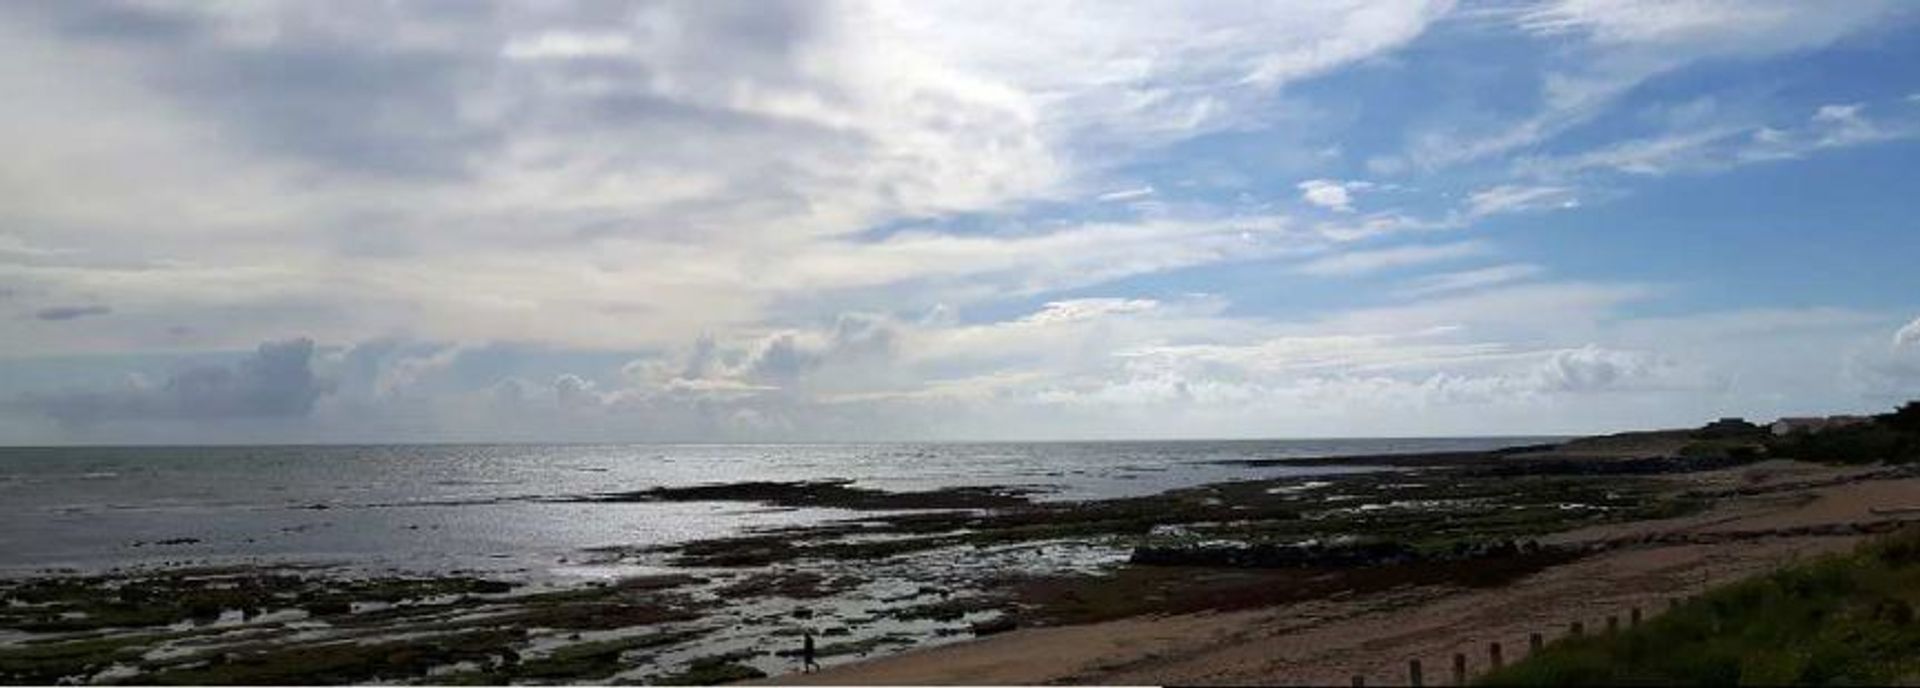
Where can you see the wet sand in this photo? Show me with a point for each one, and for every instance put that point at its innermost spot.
(1765, 515)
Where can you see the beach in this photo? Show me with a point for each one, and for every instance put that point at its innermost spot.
(1796, 510)
(1281, 569)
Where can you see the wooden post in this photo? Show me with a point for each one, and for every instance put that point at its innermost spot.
(1613, 623)
(1494, 658)
(1633, 617)
(1576, 629)
(1359, 681)
(1673, 603)
(1459, 669)
(1413, 673)
(1534, 641)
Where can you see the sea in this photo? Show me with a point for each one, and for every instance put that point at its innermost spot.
(511, 510)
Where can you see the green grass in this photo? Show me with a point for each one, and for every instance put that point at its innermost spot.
(1842, 619)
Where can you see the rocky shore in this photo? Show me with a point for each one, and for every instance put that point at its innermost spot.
(911, 570)
(1219, 616)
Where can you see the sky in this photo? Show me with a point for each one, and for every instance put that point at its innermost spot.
(552, 221)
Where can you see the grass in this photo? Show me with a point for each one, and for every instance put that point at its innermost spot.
(1841, 619)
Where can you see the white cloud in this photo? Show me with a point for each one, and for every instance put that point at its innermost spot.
(1549, 357)
(1838, 113)
(1591, 368)
(1721, 147)
(1071, 256)
(1891, 374)
(1132, 194)
(1627, 42)
(1375, 260)
(1077, 310)
(1331, 194)
(1908, 336)
(568, 45)
(1512, 198)
(725, 221)
(1470, 279)
(562, 169)
(1711, 26)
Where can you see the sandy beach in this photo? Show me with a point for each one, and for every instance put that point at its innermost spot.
(1332, 568)
(1766, 514)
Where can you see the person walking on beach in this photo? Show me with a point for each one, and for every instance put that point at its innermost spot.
(807, 665)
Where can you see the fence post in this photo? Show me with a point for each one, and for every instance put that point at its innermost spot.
(1413, 673)
(1534, 641)
(1633, 617)
(1359, 681)
(1672, 604)
(1494, 656)
(1576, 629)
(1459, 669)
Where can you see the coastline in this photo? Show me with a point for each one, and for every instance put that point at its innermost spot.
(1798, 511)
(1296, 578)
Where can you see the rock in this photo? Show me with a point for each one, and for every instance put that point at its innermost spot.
(1276, 556)
(990, 627)
(328, 607)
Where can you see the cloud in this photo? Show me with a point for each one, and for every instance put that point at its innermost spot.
(1604, 49)
(1133, 194)
(1554, 357)
(1707, 26)
(793, 220)
(1077, 310)
(70, 312)
(1889, 374)
(1470, 279)
(1721, 146)
(1591, 369)
(1511, 198)
(276, 381)
(573, 392)
(1842, 114)
(1331, 194)
(448, 169)
(568, 45)
(1028, 262)
(1369, 261)
(1908, 337)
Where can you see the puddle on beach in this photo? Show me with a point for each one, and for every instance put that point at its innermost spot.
(855, 609)
(881, 613)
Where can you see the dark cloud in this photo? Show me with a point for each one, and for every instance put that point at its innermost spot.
(121, 21)
(328, 88)
(360, 87)
(276, 381)
(855, 340)
(783, 360)
(383, 113)
(70, 312)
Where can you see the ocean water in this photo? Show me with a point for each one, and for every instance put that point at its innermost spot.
(492, 508)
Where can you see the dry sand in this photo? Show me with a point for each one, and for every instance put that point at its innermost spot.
(1329, 641)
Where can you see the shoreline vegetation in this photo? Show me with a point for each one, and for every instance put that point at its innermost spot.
(1355, 557)
(1839, 619)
